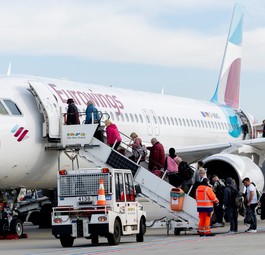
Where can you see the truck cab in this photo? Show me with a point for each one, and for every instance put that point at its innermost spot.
(97, 202)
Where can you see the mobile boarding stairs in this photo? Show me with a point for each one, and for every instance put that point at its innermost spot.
(79, 138)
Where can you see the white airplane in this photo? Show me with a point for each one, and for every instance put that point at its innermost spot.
(196, 129)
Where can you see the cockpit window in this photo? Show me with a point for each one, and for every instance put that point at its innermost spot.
(12, 107)
(2, 109)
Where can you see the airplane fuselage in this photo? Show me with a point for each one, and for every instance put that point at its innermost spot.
(174, 121)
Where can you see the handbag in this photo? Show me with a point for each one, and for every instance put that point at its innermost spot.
(248, 216)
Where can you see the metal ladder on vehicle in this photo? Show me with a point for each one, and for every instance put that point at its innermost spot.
(152, 187)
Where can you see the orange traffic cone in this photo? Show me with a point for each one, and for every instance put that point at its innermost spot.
(101, 193)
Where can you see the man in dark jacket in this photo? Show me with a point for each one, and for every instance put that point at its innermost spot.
(230, 193)
(218, 188)
(157, 155)
(72, 113)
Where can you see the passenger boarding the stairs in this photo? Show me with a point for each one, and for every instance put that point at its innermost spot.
(200, 173)
(72, 113)
(157, 155)
(171, 168)
(91, 113)
(138, 150)
(113, 134)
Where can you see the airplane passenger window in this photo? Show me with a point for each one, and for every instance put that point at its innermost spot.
(141, 118)
(154, 119)
(188, 123)
(3, 110)
(191, 123)
(222, 124)
(160, 120)
(212, 124)
(205, 123)
(195, 123)
(117, 116)
(202, 123)
(180, 122)
(111, 116)
(136, 118)
(127, 117)
(199, 124)
(172, 121)
(12, 107)
(219, 125)
(132, 119)
(164, 120)
(176, 121)
(184, 122)
(168, 122)
(215, 125)
(122, 117)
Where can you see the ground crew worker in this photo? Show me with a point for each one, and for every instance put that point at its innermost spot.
(205, 198)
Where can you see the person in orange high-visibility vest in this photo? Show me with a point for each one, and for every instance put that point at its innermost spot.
(205, 198)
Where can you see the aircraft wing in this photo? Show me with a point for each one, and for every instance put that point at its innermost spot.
(252, 146)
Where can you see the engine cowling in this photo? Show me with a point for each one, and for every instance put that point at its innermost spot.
(234, 166)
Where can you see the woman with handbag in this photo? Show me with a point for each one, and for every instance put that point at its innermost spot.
(138, 150)
(171, 168)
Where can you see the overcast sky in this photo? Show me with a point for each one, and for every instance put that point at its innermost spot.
(138, 44)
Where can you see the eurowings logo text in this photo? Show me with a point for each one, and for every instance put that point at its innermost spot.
(19, 132)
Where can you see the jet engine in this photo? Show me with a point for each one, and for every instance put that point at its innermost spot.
(234, 166)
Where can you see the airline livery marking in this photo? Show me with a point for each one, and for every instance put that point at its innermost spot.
(81, 97)
(19, 132)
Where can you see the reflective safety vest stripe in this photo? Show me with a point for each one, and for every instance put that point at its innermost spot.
(205, 197)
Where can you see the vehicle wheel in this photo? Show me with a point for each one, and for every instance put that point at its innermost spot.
(177, 231)
(67, 240)
(115, 238)
(94, 239)
(142, 230)
(16, 227)
(3, 227)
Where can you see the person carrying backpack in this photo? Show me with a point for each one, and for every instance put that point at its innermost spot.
(251, 202)
(230, 193)
(218, 188)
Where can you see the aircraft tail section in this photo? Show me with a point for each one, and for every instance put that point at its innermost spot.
(228, 86)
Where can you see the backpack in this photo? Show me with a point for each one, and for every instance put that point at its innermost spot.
(185, 171)
(257, 192)
(140, 151)
(238, 199)
(219, 188)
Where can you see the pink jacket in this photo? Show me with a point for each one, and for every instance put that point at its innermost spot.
(112, 134)
(172, 166)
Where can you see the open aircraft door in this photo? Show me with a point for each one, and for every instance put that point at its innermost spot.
(48, 105)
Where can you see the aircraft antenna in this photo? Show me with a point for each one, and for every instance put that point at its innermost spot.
(162, 91)
(8, 73)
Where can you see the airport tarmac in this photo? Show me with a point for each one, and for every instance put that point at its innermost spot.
(41, 242)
